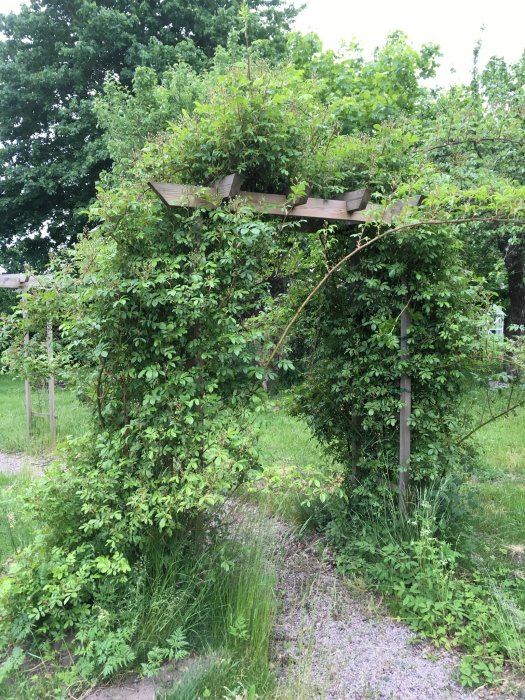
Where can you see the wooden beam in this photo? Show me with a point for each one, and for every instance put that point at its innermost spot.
(51, 387)
(403, 204)
(228, 186)
(356, 200)
(185, 195)
(405, 395)
(16, 281)
(27, 384)
(314, 208)
(22, 281)
(174, 195)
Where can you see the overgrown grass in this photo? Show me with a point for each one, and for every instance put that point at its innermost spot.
(499, 518)
(15, 530)
(503, 444)
(72, 418)
(210, 601)
(234, 624)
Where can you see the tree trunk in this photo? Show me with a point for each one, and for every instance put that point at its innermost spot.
(514, 259)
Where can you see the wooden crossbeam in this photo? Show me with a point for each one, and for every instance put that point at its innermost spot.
(18, 281)
(344, 209)
(22, 281)
(356, 200)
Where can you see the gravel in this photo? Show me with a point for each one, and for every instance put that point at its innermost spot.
(336, 643)
(12, 464)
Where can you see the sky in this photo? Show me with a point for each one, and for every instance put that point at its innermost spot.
(453, 24)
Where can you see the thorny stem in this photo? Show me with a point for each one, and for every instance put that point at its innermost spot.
(505, 412)
(460, 142)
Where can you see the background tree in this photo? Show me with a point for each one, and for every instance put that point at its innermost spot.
(364, 92)
(54, 58)
(476, 135)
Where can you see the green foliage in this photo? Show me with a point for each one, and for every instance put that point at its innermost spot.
(475, 135)
(183, 601)
(156, 315)
(54, 58)
(236, 627)
(424, 578)
(350, 392)
(129, 117)
(268, 129)
(168, 443)
(366, 93)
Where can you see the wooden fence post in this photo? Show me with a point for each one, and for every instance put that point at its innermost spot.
(51, 385)
(27, 385)
(405, 388)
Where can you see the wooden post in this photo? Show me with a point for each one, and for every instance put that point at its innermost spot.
(51, 386)
(355, 449)
(29, 407)
(405, 387)
(27, 384)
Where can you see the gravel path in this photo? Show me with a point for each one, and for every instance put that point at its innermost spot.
(13, 464)
(335, 643)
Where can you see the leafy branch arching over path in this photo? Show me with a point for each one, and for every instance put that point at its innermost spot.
(366, 244)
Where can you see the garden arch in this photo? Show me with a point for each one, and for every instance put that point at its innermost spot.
(350, 207)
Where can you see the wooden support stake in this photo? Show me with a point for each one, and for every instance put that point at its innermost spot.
(354, 449)
(51, 386)
(27, 384)
(405, 387)
(29, 407)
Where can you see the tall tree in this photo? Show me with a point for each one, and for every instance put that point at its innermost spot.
(54, 58)
(476, 135)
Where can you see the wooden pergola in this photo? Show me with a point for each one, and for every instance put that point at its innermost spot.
(350, 207)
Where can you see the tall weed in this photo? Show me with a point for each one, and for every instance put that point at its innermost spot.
(431, 584)
(208, 594)
(235, 620)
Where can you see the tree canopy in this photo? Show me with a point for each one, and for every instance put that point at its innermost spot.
(54, 58)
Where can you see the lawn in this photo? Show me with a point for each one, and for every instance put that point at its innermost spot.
(72, 418)
(499, 521)
(14, 532)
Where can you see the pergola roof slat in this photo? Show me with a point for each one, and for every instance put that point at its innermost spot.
(351, 207)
